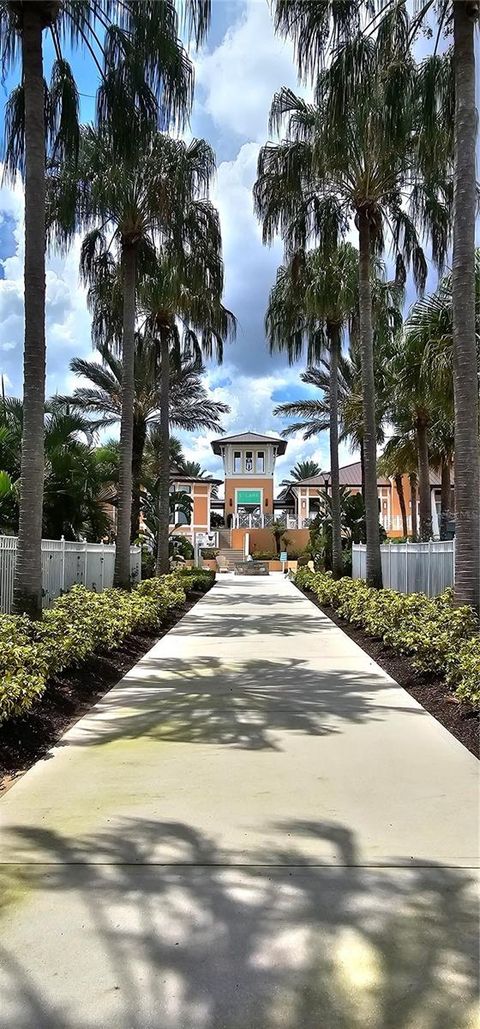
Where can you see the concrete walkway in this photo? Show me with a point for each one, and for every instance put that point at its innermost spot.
(255, 829)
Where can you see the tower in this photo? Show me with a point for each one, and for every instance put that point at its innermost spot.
(249, 465)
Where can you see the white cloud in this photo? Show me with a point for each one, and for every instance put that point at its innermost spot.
(67, 317)
(239, 77)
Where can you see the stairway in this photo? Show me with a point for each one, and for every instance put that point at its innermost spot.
(232, 557)
(225, 539)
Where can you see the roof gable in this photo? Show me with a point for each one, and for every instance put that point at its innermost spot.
(249, 437)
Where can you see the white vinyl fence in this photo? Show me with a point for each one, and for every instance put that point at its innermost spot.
(65, 564)
(411, 567)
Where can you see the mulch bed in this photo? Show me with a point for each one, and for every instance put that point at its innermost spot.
(69, 696)
(459, 717)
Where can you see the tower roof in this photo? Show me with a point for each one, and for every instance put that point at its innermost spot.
(249, 437)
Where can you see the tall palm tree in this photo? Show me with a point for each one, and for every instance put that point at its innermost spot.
(431, 326)
(350, 154)
(311, 306)
(186, 294)
(314, 28)
(144, 72)
(142, 203)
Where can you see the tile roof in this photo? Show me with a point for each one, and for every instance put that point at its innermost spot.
(248, 437)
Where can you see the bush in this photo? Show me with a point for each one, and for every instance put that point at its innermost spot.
(80, 624)
(441, 639)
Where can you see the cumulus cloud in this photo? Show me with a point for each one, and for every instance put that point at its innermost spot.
(238, 78)
(67, 317)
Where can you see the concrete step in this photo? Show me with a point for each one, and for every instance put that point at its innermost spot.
(232, 557)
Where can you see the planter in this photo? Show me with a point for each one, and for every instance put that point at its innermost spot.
(211, 565)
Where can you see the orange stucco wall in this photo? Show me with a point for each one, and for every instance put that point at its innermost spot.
(254, 483)
(200, 506)
(263, 539)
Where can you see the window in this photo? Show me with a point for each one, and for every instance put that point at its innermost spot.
(180, 513)
(260, 461)
(249, 461)
(237, 461)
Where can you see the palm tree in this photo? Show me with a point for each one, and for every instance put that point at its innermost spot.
(399, 458)
(190, 406)
(442, 453)
(141, 203)
(311, 306)
(302, 470)
(431, 326)
(78, 476)
(350, 154)
(183, 312)
(144, 72)
(314, 27)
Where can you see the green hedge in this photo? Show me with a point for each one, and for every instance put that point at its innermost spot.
(441, 639)
(78, 625)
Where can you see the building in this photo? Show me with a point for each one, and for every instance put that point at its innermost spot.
(200, 490)
(249, 465)
(250, 505)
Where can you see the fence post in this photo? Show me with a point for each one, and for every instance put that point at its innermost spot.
(389, 564)
(62, 578)
(429, 561)
(406, 566)
(85, 563)
(102, 567)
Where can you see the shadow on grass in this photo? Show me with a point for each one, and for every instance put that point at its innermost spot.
(199, 945)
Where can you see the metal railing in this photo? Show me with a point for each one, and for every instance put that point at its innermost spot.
(65, 564)
(248, 520)
(411, 567)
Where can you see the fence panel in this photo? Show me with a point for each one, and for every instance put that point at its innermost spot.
(411, 567)
(65, 564)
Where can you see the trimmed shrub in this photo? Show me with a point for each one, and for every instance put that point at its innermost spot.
(441, 639)
(79, 625)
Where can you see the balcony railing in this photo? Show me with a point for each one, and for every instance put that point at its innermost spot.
(254, 520)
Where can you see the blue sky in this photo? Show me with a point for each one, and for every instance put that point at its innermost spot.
(237, 73)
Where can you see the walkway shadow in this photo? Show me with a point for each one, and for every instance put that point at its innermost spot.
(243, 704)
(129, 945)
(288, 623)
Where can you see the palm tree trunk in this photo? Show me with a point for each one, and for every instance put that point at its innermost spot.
(362, 468)
(122, 551)
(401, 501)
(467, 476)
(164, 459)
(337, 556)
(424, 481)
(27, 593)
(138, 447)
(446, 498)
(413, 501)
(374, 562)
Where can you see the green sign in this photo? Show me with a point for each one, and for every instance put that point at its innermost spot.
(249, 496)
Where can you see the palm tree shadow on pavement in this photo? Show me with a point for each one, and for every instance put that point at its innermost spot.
(240, 703)
(195, 944)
